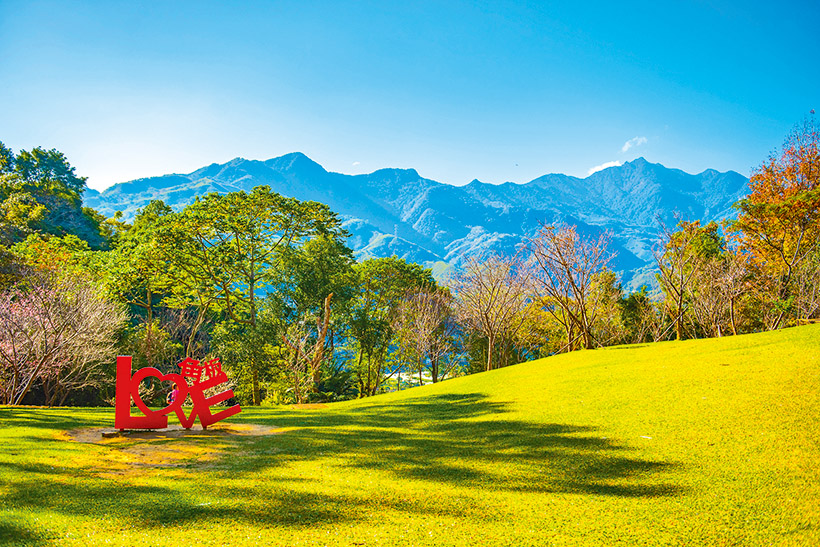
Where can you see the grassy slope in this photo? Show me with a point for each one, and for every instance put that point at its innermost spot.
(695, 442)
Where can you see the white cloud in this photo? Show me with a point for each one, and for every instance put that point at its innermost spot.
(355, 163)
(637, 141)
(604, 166)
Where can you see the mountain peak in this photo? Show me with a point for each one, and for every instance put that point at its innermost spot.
(295, 161)
(640, 164)
(293, 156)
(639, 160)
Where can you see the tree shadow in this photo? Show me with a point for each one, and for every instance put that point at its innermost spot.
(468, 440)
(12, 533)
(157, 506)
(48, 418)
(456, 441)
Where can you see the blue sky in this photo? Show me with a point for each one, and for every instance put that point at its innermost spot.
(499, 91)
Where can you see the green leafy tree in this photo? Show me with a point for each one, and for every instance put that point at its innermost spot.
(40, 192)
(6, 159)
(640, 318)
(20, 213)
(316, 288)
(225, 251)
(253, 356)
(62, 256)
(47, 172)
(137, 275)
(382, 283)
(607, 322)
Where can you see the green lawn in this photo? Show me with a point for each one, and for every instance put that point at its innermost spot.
(709, 442)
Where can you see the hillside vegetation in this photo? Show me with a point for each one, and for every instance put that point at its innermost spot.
(701, 442)
(397, 211)
(272, 287)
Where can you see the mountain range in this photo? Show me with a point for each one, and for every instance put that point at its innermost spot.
(398, 212)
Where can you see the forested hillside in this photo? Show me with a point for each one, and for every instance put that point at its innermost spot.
(270, 284)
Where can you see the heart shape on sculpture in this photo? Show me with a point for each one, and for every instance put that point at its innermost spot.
(177, 379)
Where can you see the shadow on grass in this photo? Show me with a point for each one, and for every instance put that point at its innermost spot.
(52, 418)
(455, 441)
(157, 506)
(12, 533)
(467, 440)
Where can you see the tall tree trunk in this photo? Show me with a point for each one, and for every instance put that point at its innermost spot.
(319, 354)
(587, 338)
(50, 393)
(63, 397)
(585, 327)
(29, 383)
(777, 322)
(679, 321)
(361, 376)
(297, 392)
(378, 373)
(732, 315)
(490, 344)
(784, 284)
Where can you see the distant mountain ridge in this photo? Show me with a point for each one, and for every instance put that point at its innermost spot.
(396, 211)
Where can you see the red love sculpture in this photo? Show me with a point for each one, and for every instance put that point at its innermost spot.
(128, 392)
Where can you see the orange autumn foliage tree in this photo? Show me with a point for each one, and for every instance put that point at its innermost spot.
(779, 221)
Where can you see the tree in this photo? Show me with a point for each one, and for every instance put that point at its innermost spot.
(253, 356)
(307, 358)
(606, 293)
(734, 281)
(778, 223)
(322, 267)
(381, 285)
(13, 269)
(807, 287)
(137, 275)
(61, 256)
(40, 192)
(491, 295)
(565, 267)
(427, 332)
(679, 258)
(640, 317)
(57, 332)
(717, 287)
(49, 173)
(20, 213)
(225, 251)
(6, 159)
